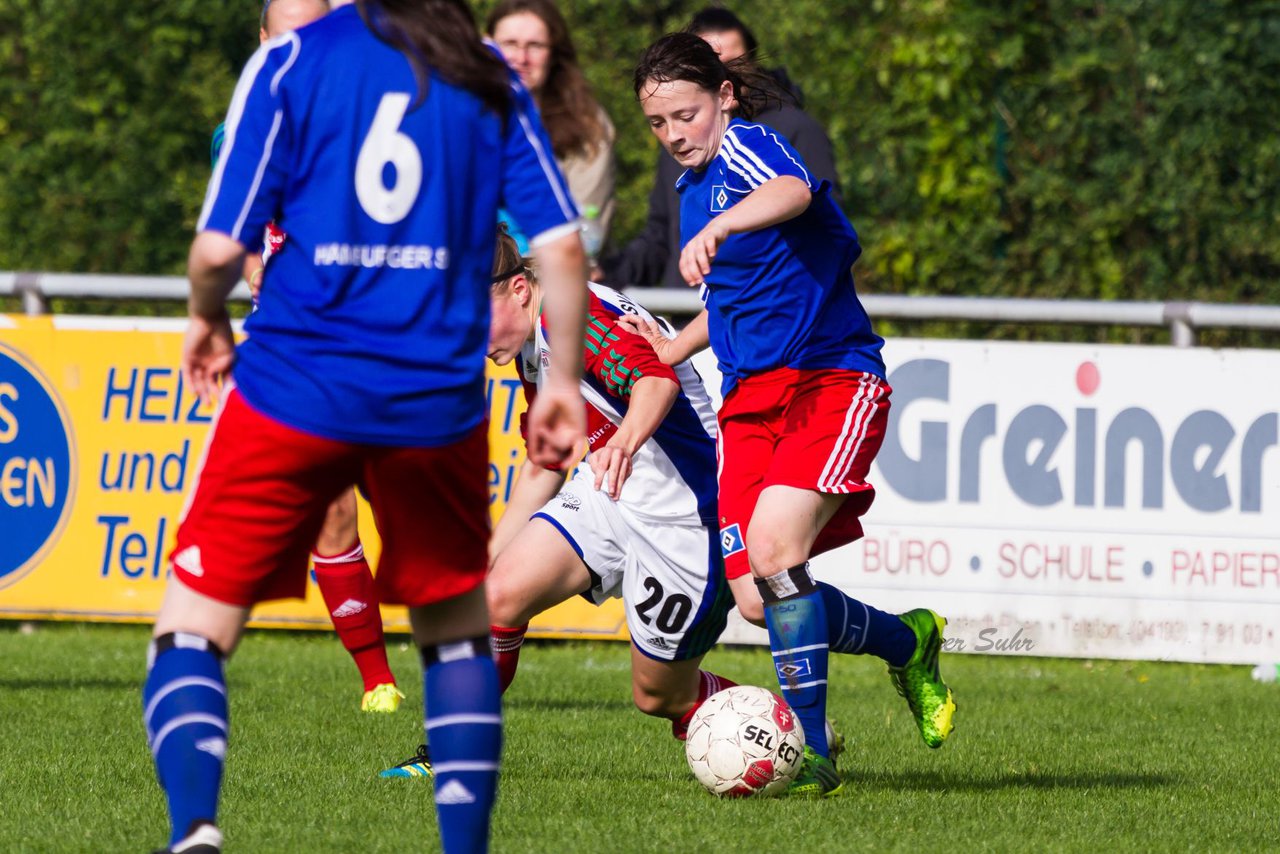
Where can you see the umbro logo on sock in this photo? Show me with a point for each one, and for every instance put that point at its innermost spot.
(213, 746)
(453, 792)
(189, 559)
(349, 608)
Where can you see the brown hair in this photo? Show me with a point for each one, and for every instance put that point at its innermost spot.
(685, 56)
(569, 111)
(507, 262)
(440, 35)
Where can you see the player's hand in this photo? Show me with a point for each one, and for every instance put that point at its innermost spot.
(255, 283)
(557, 425)
(207, 354)
(700, 251)
(651, 332)
(612, 467)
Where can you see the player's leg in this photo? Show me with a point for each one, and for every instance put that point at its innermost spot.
(747, 597)
(431, 507)
(185, 707)
(783, 527)
(221, 566)
(346, 584)
(744, 448)
(665, 689)
(539, 569)
(852, 409)
(816, 491)
(677, 602)
(673, 689)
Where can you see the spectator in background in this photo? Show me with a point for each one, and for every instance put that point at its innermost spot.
(653, 257)
(534, 38)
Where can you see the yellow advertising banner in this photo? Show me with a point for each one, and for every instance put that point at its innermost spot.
(99, 442)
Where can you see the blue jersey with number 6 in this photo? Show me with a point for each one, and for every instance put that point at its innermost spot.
(374, 318)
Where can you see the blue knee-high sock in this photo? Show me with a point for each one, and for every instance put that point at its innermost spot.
(797, 621)
(184, 709)
(464, 734)
(855, 628)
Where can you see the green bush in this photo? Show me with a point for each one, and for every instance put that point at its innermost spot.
(1058, 148)
(105, 114)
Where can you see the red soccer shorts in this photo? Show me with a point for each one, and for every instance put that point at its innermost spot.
(261, 492)
(816, 429)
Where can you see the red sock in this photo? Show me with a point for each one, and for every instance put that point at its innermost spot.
(506, 651)
(709, 684)
(347, 587)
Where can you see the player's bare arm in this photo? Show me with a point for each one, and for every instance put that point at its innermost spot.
(557, 418)
(672, 351)
(254, 267)
(776, 200)
(534, 487)
(651, 400)
(213, 267)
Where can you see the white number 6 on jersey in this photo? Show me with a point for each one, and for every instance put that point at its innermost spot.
(386, 144)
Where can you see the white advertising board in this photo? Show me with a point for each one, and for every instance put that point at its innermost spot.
(1070, 500)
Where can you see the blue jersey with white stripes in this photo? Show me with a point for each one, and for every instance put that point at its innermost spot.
(781, 296)
(374, 317)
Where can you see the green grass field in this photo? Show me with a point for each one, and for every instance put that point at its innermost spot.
(1048, 754)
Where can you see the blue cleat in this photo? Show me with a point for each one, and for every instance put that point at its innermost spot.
(418, 765)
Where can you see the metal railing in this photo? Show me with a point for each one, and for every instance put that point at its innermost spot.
(1181, 318)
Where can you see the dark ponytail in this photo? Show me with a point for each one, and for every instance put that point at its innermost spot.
(441, 35)
(685, 56)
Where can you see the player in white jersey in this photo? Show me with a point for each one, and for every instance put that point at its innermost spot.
(638, 520)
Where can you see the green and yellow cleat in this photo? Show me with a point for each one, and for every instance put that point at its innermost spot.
(383, 698)
(920, 682)
(818, 777)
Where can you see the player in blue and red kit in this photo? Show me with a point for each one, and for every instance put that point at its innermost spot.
(382, 138)
(805, 399)
(341, 571)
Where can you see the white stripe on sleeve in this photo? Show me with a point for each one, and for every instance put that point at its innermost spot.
(548, 165)
(236, 112)
(739, 164)
(257, 176)
(741, 152)
(553, 234)
(808, 179)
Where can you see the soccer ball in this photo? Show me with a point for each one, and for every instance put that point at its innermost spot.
(745, 741)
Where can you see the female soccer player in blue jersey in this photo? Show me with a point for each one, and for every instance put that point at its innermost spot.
(383, 139)
(805, 399)
(341, 570)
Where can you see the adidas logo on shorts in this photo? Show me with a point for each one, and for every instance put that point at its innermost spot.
(349, 608)
(189, 559)
(453, 792)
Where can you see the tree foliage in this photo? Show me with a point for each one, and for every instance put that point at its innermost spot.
(1110, 149)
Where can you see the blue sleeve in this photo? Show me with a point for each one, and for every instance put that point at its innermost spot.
(534, 192)
(246, 189)
(758, 153)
